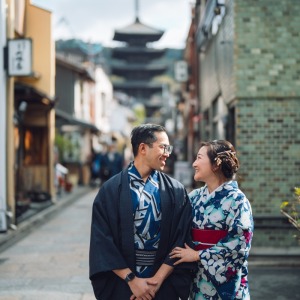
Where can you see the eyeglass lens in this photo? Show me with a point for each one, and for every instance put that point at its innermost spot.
(168, 149)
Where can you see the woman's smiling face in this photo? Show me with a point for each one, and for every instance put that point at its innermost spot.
(202, 166)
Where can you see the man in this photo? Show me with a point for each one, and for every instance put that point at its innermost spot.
(111, 163)
(139, 216)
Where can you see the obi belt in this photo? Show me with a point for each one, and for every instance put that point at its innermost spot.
(206, 238)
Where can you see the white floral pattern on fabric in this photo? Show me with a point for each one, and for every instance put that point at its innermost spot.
(222, 270)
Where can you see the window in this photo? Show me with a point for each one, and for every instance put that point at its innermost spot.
(230, 126)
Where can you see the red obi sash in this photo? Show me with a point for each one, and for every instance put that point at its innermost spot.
(207, 237)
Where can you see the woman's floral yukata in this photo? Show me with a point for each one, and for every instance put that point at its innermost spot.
(222, 270)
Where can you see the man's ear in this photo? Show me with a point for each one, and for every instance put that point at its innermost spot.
(142, 148)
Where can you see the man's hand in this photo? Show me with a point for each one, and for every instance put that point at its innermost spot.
(141, 290)
(154, 284)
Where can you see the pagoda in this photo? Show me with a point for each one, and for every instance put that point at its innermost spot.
(136, 64)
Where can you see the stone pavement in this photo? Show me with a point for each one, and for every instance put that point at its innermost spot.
(52, 261)
(274, 283)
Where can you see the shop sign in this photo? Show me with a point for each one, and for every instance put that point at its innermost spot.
(181, 71)
(19, 57)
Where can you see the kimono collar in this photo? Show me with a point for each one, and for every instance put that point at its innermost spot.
(132, 171)
(228, 185)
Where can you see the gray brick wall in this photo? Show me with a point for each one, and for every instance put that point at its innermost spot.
(268, 143)
(267, 48)
(258, 71)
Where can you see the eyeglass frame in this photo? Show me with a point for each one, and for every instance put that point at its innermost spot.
(167, 148)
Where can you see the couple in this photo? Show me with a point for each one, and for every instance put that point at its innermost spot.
(150, 240)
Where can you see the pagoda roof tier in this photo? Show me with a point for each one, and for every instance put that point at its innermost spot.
(156, 69)
(123, 52)
(138, 31)
(137, 84)
(134, 74)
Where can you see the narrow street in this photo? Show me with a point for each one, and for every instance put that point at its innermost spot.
(51, 263)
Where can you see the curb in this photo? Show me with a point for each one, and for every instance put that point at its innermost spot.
(11, 237)
(274, 262)
(275, 257)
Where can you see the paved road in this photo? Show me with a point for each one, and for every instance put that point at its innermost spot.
(274, 283)
(51, 263)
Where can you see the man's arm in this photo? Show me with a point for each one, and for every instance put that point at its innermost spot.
(161, 275)
(138, 286)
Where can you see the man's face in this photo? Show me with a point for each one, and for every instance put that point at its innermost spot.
(156, 155)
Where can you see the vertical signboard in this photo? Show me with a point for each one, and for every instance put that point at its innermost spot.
(20, 57)
(181, 71)
(3, 221)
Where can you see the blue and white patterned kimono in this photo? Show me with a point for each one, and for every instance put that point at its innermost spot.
(222, 270)
(147, 215)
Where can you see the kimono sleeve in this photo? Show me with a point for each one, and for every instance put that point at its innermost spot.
(181, 227)
(104, 253)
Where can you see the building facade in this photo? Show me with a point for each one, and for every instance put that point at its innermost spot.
(249, 93)
(30, 98)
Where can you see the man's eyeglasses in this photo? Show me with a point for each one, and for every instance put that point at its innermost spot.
(167, 148)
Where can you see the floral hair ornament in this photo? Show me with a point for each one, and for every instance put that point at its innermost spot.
(223, 154)
(231, 153)
(218, 161)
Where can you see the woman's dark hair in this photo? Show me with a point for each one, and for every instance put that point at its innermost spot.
(221, 153)
(144, 133)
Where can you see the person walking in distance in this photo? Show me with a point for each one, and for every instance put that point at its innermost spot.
(111, 163)
(222, 226)
(138, 217)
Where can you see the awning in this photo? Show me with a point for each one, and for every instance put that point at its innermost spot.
(64, 118)
(30, 94)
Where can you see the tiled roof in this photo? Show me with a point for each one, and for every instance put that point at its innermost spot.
(138, 28)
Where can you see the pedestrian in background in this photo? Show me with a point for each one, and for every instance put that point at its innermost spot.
(111, 163)
(95, 169)
(222, 226)
(138, 217)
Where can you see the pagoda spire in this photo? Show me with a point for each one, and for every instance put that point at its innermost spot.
(137, 11)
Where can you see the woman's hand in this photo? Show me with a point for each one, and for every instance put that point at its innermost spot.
(186, 254)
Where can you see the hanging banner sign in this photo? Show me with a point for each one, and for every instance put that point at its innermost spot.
(20, 57)
(181, 71)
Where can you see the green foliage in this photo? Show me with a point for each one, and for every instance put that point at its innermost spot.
(63, 144)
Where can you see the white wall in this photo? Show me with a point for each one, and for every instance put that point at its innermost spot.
(3, 223)
(103, 100)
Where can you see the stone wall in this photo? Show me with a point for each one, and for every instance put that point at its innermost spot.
(267, 72)
(268, 143)
(267, 47)
(253, 63)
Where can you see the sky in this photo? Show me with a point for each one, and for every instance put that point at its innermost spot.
(96, 20)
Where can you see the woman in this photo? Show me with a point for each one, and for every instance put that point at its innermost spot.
(222, 226)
